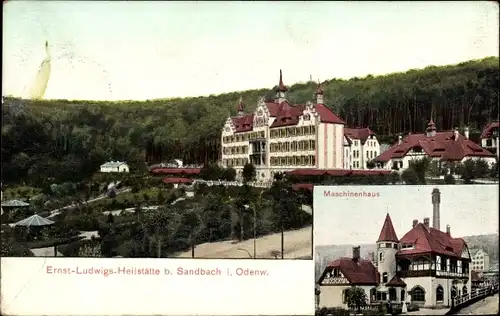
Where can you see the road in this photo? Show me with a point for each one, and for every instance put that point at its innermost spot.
(298, 244)
(488, 306)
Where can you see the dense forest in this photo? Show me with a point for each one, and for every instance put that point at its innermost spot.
(58, 140)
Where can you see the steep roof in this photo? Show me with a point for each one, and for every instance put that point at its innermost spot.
(396, 281)
(431, 240)
(243, 123)
(488, 130)
(357, 272)
(359, 133)
(387, 233)
(443, 145)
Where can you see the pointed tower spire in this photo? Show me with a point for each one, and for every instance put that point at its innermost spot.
(387, 233)
(241, 108)
(280, 91)
(431, 128)
(319, 93)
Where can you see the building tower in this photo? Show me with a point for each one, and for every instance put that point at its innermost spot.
(319, 94)
(387, 246)
(431, 129)
(281, 90)
(241, 108)
(436, 201)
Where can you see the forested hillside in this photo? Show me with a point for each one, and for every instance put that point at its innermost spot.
(58, 140)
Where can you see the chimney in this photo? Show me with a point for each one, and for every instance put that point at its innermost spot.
(455, 134)
(426, 222)
(356, 253)
(466, 132)
(436, 201)
(448, 230)
(400, 139)
(415, 222)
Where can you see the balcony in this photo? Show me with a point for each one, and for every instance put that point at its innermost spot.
(431, 273)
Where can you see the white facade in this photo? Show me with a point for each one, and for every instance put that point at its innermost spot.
(333, 296)
(115, 166)
(357, 153)
(480, 260)
(308, 143)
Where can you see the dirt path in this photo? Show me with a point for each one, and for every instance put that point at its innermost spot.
(298, 244)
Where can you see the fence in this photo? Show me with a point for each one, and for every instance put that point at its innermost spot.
(259, 184)
(468, 299)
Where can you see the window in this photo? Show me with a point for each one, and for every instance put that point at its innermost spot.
(417, 294)
(385, 278)
(381, 257)
(392, 294)
(464, 290)
(403, 295)
(439, 294)
(489, 143)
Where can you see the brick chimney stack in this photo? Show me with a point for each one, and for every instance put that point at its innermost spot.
(426, 222)
(448, 230)
(436, 201)
(415, 222)
(356, 253)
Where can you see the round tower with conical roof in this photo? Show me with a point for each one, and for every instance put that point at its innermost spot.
(387, 247)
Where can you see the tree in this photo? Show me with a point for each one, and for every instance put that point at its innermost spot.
(481, 169)
(394, 177)
(249, 173)
(421, 168)
(110, 219)
(160, 198)
(370, 164)
(494, 171)
(90, 250)
(409, 176)
(449, 179)
(191, 220)
(467, 171)
(356, 297)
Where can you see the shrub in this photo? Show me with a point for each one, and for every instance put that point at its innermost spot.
(449, 179)
(335, 311)
(413, 308)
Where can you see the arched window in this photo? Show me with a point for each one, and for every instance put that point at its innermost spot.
(464, 289)
(439, 294)
(417, 294)
(381, 257)
(392, 294)
(385, 277)
(373, 294)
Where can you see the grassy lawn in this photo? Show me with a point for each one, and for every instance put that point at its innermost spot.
(136, 198)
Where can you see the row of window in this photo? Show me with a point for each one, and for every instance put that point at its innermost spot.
(235, 162)
(477, 268)
(235, 150)
(294, 161)
(242, 137)
(293, 146)
(370, 154)
(293, 131)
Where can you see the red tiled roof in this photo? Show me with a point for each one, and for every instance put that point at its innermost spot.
(431, 241)
(336, 172)
(387, 233)
(358, 133)
(326, 115)
(396, 281)
(303, 186)
(287, 115)
(192, 171)
(243, 123)
(177, 180)
(357, 272)
(487, 131)
(281, 86)
(443, 145)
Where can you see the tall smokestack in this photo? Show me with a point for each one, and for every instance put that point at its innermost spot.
(436, 201)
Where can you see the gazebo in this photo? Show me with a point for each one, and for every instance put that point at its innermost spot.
(12, 205)
(34, 220)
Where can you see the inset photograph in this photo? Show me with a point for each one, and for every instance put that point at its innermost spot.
(406, 249)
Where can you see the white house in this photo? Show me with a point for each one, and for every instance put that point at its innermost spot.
(360, 147)
(426, 267)
(489, 138)
(279, 136)
(115, 166)
(439, 146)
(480, 260)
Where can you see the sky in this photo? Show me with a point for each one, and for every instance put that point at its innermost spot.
(146, 50)
(468, 209)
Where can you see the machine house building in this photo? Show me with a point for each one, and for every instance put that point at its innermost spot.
(279, 137)
(426, 267)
